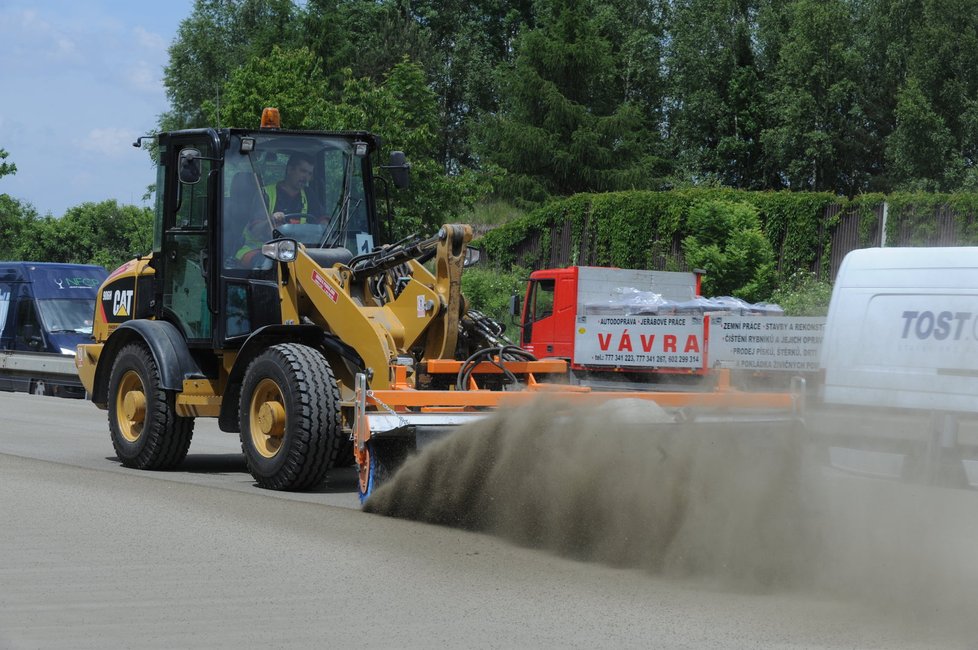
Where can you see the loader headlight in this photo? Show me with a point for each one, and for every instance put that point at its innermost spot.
(281, 250)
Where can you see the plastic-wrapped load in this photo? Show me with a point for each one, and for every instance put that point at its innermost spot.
(628, 301)
(697, 305)
(767, 309)
(732, 305)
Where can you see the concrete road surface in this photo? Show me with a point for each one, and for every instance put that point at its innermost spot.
(96, 556)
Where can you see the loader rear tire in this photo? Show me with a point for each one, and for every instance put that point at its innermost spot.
(146, 431)
(384, 457)
(291, 431)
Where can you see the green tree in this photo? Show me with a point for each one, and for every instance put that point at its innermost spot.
(467, 40)
(456, 43)
(570, 118)
(818, 136)
(6, 169)
(289, 79)
(17, 220)
(211, 43)
(402, 110)
(16, 217)
(725, 239)
(938, 95)
(885, 29)
(93, 233)
(364, 36)
(802, 294)
(921, 153)
(717, 107)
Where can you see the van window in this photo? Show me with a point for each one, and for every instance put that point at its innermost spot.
(69, 315)
(4, 305)
(29, 335)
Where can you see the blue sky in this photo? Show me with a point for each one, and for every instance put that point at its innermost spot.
(79, 80)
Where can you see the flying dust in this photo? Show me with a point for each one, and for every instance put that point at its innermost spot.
(747, 506)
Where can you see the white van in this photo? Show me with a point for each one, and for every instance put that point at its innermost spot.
(902, 330)
(902, 335)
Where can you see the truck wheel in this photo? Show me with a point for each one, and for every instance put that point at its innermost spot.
(146, 431)
(383, 459)
(291, 430)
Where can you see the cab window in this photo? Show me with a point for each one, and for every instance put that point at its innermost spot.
(542, 300)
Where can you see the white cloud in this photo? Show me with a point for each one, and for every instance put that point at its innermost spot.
(149, 40)
(27, 34)
(142, 77)
(112, 142)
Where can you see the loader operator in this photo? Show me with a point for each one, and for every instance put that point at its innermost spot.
(289, 196)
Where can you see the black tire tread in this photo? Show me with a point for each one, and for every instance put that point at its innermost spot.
(168, 435)
(318, 439)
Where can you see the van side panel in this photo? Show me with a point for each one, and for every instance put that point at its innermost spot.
(902, 330)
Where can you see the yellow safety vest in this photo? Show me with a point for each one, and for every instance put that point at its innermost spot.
(272, 191)
(251, 242)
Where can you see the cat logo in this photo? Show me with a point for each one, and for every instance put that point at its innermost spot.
(122, 302)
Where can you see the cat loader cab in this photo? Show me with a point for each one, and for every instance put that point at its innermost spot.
(213, 191)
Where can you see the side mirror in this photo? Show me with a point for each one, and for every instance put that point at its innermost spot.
(515, 305)
(189, 171)
(399, 168)
(472, 257)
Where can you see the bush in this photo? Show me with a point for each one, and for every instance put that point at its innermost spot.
(726, 241)
(802, 294)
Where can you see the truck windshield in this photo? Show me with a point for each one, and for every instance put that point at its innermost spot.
(307, 187)
(67, 315)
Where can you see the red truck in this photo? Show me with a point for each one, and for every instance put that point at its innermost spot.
(624, 324)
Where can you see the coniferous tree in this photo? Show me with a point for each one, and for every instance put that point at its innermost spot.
(565, 122)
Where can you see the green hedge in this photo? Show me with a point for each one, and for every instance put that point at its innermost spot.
(643, 229)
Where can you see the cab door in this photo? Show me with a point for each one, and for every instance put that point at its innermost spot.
(187, 241)
(538, 323)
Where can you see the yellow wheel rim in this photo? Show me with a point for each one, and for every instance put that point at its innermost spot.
(266, 418)
(130, 406)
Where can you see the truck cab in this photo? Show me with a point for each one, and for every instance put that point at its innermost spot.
(557, 302)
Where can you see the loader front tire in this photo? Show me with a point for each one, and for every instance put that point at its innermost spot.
(146, 431)
(291, 431)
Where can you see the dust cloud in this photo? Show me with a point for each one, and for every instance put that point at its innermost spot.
(748, 507)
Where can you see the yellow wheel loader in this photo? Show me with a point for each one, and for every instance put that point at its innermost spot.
(305, 332)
